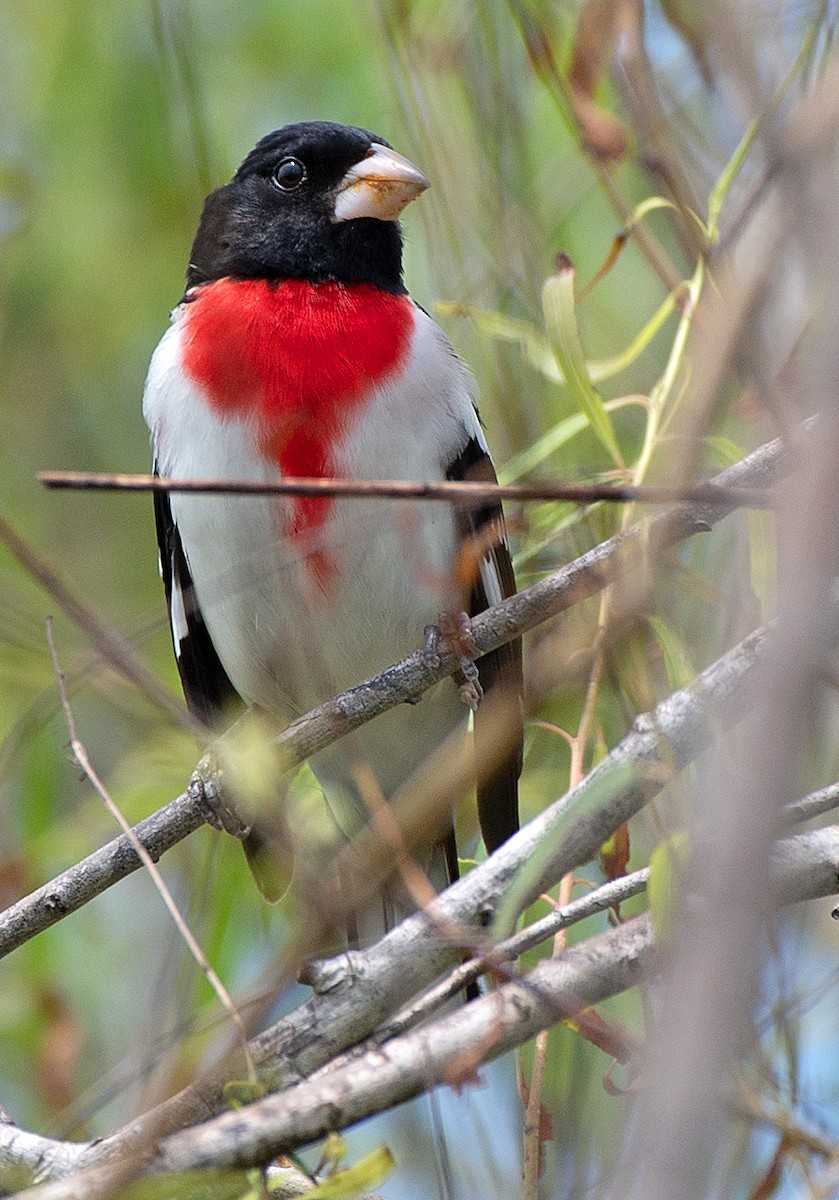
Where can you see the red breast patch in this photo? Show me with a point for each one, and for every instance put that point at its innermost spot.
(301, 359)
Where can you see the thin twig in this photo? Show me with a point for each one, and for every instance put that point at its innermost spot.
(396, 489)
(114, 649)
(81, 756)
(494, 958)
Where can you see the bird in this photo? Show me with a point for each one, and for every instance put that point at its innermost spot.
(294, 351)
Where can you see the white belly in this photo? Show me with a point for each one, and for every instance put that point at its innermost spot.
(287, 639)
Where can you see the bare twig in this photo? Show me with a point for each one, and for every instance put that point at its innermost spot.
(609, 895)
(377, 982)
(99, 871)
(373, 984)
(453, 491)
(116, 652)
(804, 867)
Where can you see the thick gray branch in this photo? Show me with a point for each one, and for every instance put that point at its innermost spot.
(407, 679)
(413, 955)
(446, 1051)
(803, 867)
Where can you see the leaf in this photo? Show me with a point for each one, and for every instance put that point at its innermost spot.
(547, 445)
(676, 662)
(763, 567)
(614, 854)
(561, 324)
(546, 1124)
(534, 346)
(731, 170)
(593, 47)
(727, 452)
(608, 1036)
(666, 863)
(333, 1151)
(367, 1173)
(605, 781)
(189, 1184)
(239, 1092)
(600, 369)
(537, 350)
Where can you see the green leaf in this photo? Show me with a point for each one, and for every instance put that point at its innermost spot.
(333, 1151)
(368, 1173)
(732, 168)
(534, 346)
(189, 1184)
(726, 451)
(561, 324)
(676, 662)
(666, 864)
(763, 566)
(597, 790)
(536, 349)
(547, 444)
(600, 369)
(239, 1092)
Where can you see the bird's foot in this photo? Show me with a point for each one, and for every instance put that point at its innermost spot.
(455, 631)
(206, 788)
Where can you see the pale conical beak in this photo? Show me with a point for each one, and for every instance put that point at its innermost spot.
(379, 186)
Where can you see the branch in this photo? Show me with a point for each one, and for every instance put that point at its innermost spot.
(802, 867)
(364, 988)
(445, 1052)
(569, 832)
(450, 490)
(406, 680)
(96, 873)
(114, 649)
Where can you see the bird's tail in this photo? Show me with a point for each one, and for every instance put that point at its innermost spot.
(394, 901)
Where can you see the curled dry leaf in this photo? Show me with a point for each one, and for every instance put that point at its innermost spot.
(463, 1071)
(608, 1036)
(602, 135)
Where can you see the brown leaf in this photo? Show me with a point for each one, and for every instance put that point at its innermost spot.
(593, 44)
(602, 135)
(614, 854)
(608, 1036)
(463, 1070)
(14, 881)
(58, 1050)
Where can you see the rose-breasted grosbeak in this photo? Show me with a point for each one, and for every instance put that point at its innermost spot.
(296, 351)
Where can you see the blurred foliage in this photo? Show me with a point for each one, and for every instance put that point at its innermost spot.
(116, 120)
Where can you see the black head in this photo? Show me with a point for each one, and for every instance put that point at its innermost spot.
(312, 201)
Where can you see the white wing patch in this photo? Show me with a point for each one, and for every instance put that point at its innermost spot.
(177, 616)
(491, 581)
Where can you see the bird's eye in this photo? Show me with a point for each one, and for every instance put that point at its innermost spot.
(289, 174)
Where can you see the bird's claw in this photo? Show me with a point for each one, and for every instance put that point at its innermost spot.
(205, 787)
(455, 630)
(469, 684)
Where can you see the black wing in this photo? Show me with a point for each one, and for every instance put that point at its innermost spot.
(500, 672)
(210, 696)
